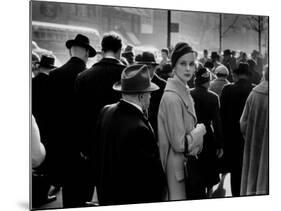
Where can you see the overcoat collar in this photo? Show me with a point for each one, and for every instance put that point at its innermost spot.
(183, 92)
(131, 108)
(110, 61)
(78, 61)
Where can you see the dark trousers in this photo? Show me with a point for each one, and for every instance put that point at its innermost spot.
(235, 181)
(76, 195)
(78, 186)
(235, 174)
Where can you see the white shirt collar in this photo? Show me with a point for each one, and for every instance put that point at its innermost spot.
(134, 104)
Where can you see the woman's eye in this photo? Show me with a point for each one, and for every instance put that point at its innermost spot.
(191, 64)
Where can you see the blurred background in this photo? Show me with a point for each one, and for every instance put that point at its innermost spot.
(146, 29)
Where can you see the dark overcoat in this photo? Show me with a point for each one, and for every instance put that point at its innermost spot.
(129, 160)
(155, 102)
(233, 98)
(94, 90)
(206, 105)
(64, 150)
(40, 104)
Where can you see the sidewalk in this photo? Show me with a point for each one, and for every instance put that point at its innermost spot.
(220, 190)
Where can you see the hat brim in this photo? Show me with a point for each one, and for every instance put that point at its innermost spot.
(148, 63)
(46, 66)
(117, 87)
(70, 43)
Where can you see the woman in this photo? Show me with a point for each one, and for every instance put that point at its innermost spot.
(207, 112)
(176, 122)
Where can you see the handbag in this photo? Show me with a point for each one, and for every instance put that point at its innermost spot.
(194, 178)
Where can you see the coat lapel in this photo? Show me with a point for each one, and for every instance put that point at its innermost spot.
(183, 93)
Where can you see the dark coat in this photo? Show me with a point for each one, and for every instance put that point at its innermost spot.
(129, 161)
(94, 91)
(64, 145)
(40, 104)
(206, 105)
(233, 98)
(155, 102)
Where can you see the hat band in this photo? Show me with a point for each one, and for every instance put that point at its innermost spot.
(134, 84)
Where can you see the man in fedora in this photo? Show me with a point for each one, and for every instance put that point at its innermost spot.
(65, 144)
(148, 59)
(129, 160)
(128, 54)
(94, 91)
(233, 98)
(41, 112)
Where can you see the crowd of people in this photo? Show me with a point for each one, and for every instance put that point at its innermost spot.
(139, 131)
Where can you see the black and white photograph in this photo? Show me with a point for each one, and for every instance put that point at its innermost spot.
(137, 105)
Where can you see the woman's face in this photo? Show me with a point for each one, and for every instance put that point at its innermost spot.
(185, 67)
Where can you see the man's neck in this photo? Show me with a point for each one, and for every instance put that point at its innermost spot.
(110, 55)
(133, 102)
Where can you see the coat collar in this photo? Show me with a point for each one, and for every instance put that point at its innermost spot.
(78, 61)
(110, 61)
(262, 88)
(130, 108)
(183, 92)
(176, 86)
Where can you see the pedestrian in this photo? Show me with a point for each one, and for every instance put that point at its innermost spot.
(41, 94)
(93, 91)
(215, 59)
(41, 112)
(233, 98)
(255, 77)
(148, 59)
(217, 84)
(165, 57)
(205, 57)
(129, 161)
(40, 184)
(129, 55)
(67, 162)
(228, 62)
(254, 127)
(207, 112)
(177, 130)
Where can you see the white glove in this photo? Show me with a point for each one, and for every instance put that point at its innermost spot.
(197, 134)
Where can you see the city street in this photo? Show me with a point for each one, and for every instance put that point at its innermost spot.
(219, 191)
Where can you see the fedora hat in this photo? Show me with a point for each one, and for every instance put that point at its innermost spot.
(135, 79)
(47, 61)
(243, 69)
(226, 52)
(147, 58)
(82, 41)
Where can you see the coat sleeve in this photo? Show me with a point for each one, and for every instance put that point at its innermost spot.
(171, 124)
(217, 123)
(244, 117)
(146, 165)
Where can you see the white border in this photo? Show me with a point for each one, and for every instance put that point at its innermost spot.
(14, 114)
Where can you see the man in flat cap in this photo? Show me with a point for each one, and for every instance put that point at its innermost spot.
(65, 146)
(129, 160)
